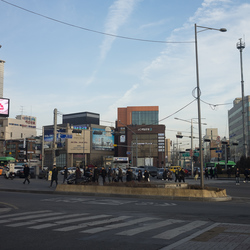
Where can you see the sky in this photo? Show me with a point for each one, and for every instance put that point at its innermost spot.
(97, 56)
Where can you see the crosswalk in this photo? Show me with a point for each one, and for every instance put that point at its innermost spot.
(87, 223)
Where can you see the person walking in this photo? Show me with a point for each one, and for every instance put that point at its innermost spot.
(96, 174)
(54, 176)
(139, 175)
(246, 173)
(177, 176)
(237, 176)
(26, 172)
(146, 175)
(110, 174)
(65, 174)
(182, 175)
(103, 173)
(78, 175)
(120, 175)
(164, 174)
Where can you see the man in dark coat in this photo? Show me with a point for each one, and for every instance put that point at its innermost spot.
(96, 174)
(26, 172)
(103, 173)
(146, 175)
(78, 175)
(54, 175)
(65, 174)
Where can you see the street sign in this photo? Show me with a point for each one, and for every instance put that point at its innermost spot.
(218, 151)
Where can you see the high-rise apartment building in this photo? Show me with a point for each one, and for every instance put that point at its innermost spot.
(236, 125)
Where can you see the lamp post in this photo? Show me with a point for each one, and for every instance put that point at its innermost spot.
(198, 95)
(240, 46)
(136, 140)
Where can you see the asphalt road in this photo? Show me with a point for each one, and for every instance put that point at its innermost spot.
(47, 220)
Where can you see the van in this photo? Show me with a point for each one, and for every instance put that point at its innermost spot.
(174, 168)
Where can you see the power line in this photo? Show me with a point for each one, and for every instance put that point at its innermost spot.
(91, 30)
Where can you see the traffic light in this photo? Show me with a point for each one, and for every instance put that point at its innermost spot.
(179, 136)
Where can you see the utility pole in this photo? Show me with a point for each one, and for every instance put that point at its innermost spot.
(54, 137)
(240, 46)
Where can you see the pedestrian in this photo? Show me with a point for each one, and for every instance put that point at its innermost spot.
(146, 176)
(215, 173)
(170, 177)
(211, 173)
(246, 173)
(26, 172)
(78, 175)
(96, 174)
(120, 175)
(54, 176)
(206, 174)
(164, 174)
(114, 176)
(196, 174)
(129, 174)
(237, 176)
(177, 175)
(110, 172)
(103, 173)
(182, 175)
(65, 174)
(139, 175)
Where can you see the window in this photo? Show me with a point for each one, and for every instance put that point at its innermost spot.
(145, 117)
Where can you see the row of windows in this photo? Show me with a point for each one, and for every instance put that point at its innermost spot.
(145, 117)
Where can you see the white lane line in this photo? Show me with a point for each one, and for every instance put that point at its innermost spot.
(68, 221)
(167, 235)
(148, 227)
(34, 216)
(60, 217)
(20, 224)
(182, 241)
(24, 213)
(94, 223)
(109, 227)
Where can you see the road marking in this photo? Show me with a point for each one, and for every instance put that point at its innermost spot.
(24, 213)
(69, 221)
(61, 217)
(178, 243)
(20, 224)
(114, 226)
(34, 216)
(138, 230)
(9, 205)
(167, 235)
(95, 223)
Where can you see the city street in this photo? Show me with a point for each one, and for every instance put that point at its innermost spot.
(47, 220)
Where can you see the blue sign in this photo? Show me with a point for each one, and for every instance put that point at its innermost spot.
(218, 151)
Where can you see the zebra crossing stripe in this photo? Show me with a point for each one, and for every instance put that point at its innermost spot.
(68, 221)
(94, 223)
(182, 241)
(24, 213)
(138, 230)
(167, 235)
(60, 217)
(20, 224)
(34, 216)
(119, 225)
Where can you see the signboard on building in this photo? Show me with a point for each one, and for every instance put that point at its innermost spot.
(102, 140)
(4, 107)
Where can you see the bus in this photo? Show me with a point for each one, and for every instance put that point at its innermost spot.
(221, 164)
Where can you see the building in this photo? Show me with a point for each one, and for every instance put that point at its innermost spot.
(1, 77)
(81, 119)
(78, 142)
(139, 137)
(236, 127)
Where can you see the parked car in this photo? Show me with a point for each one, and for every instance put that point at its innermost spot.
(160, 173)
(17, 168)
(151, 169)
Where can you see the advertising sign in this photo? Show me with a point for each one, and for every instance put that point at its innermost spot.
(4, 107)
(101, 140)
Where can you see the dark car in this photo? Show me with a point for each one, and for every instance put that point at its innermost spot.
(152, 170)
(20, 173)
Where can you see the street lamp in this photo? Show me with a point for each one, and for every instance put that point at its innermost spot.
(198, 94)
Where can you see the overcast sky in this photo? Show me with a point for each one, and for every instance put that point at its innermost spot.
(54, 60)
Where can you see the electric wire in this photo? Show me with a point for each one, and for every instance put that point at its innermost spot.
(91, 30)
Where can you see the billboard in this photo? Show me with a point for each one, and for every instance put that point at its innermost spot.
(4, 107)
(102, 139)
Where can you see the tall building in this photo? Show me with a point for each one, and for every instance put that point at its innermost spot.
(1, 77)
(140, 137)
(140, 115)
(236, 126)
